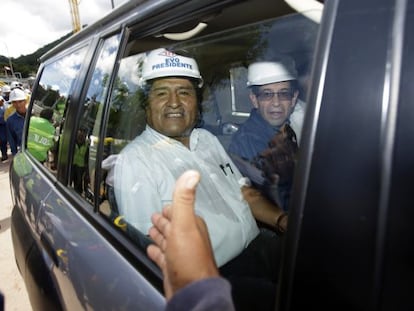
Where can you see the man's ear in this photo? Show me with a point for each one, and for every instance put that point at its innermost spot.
(253, 100)
(295, 98)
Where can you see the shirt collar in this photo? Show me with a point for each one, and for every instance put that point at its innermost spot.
(262, 121)
(194, 137)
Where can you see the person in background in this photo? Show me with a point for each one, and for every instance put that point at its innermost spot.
(10, 110)
(182, 237)
(147, 168)
(41, 134)
(266, 140)
(3, 130)
(5, 90)
(15, 84)
(15, 122)
(80, 174)
(108, 164)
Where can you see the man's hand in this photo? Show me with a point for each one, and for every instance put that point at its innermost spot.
(182, 246)
(264, 210)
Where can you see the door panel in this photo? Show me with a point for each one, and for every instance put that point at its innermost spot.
(335, 230)
(88, 269)
(398, 269)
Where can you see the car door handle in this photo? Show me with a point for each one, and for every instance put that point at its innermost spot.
(47, 246)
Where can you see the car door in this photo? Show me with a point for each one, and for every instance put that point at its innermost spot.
(349, 243)
(34, 176)
(90, 271)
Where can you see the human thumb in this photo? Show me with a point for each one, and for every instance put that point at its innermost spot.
(184, 198)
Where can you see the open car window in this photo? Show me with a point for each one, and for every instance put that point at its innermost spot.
(223, 58)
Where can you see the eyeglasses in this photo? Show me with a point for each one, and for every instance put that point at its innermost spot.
(281, 95)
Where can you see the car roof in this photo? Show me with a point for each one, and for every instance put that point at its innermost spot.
(186, 13)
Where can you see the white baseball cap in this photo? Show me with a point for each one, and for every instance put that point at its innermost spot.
(163, 63)
(17, 94)
(262, 73)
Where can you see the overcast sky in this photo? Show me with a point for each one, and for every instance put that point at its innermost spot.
(27, 25)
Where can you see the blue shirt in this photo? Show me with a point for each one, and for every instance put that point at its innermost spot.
(252, 137)
(250, 140)
(15, 125)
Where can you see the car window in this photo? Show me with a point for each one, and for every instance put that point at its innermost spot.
(223, 59)
(82, 176)
(50, 103)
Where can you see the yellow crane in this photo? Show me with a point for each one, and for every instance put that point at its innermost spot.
(74, 10)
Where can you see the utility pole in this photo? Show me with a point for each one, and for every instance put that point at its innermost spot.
(74, 10)
(10, 61)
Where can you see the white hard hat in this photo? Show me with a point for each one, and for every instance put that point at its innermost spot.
(5, 88)
(261, 73)
(163, 63)
(17, 94)
(15, 84)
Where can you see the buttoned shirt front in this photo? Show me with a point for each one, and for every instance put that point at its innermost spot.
(145, 175)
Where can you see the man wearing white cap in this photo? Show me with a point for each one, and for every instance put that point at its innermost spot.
(15, 122)
(147, 168)
(267, 137)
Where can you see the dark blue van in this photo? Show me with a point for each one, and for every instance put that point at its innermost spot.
(349, 243)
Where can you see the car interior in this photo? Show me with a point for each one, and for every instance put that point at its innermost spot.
(223, 52)
(112, 109)
(93, 83)
(223, 58)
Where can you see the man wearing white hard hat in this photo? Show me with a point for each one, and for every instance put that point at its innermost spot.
(267, 137)
(5, 90)
(147, 168)
(15, 122)
(11, 109)
(15, 84)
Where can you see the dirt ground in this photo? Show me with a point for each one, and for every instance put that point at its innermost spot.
(11, 283)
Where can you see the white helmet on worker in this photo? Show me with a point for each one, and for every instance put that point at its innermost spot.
(15, 84)
(17, 94)
(6, 89)
(262, 73)
(163, 63)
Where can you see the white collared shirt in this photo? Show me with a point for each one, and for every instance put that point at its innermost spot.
(145, 175)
